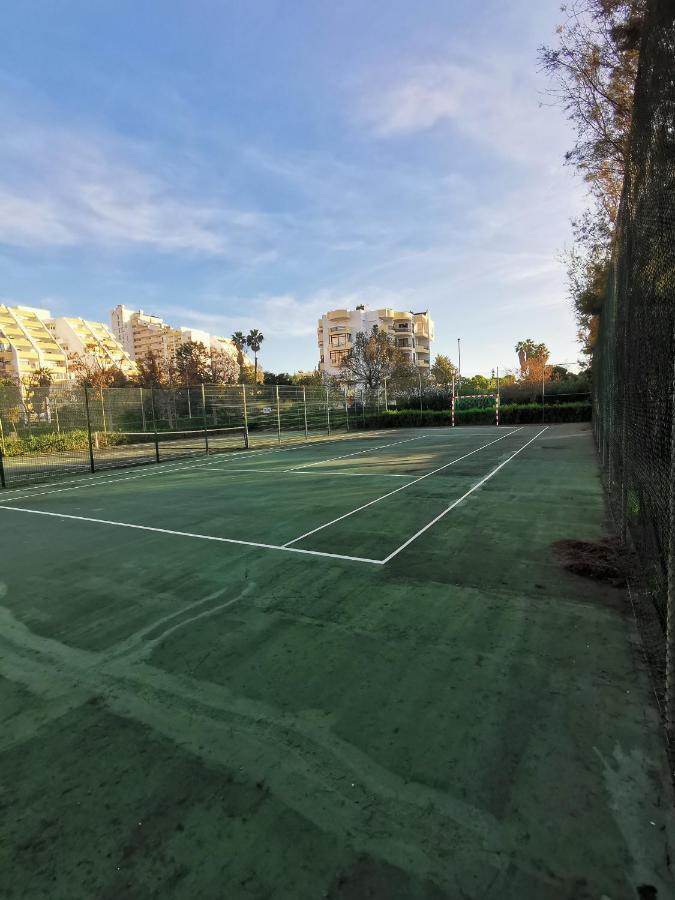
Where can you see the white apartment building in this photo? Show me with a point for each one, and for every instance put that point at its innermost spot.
(139, 332)
(412, 332)
(92, 342)
(31, 339)
(26, 344)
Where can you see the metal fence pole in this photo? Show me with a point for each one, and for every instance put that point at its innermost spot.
(278, 414)
(346, 409)
(3, 482)
(670, 600)
(91, 446)
(304, 406)
(452, 407)
(497, 405)
(154, 422)
(2, 437)
(327, 413)
(243, 395)
(206, 424)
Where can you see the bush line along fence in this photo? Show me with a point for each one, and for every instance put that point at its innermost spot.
(634, 365)
(65, 427)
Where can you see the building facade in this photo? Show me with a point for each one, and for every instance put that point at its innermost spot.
(27, 344)
(32, 339)
(139, 333)
(412, 332)
(91, 342)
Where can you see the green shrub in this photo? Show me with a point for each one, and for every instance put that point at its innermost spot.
(54, 442)
(509, 414)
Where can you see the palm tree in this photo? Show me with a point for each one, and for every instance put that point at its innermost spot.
(239, 341)
(254, 340)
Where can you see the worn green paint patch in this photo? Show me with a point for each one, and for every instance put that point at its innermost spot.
(468, 720)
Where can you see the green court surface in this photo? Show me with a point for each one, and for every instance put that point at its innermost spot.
(346, 669)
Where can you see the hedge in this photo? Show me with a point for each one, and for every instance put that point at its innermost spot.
(509, 414)
(54, 442)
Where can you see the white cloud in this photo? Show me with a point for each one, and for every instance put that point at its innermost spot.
(84, 189)
(497, 104)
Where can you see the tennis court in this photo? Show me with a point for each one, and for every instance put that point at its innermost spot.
(344, 668)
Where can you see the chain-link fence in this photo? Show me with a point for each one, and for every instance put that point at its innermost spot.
(63, 428)
(634, 360)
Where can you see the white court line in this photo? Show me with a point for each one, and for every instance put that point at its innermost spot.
(300, 472)
(463, 497)
(190, 534)
(320, 462)
(397, 490)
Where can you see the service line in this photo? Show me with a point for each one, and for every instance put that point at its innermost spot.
(397, 490)
(460, 499)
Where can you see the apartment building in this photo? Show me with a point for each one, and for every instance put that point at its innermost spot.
(27, 344)
(139, 332)
(31, 339)
(91, 341)
(412, 332)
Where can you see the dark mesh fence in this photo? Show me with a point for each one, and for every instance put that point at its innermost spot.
(634, 360)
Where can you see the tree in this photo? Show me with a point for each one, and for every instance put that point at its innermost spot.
(254, 341)
(309, 379)
(151, 371)
(373, 358)
(224, 368)
(94, 371)
(532, 358)
(192, 363)
(281, 378)
(479, 382)
(443, 371)
(593, 68)
(34, 394)
(239, 341)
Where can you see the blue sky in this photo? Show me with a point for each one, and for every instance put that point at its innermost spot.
(231, 165)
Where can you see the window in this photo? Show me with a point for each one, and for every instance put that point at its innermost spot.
(336, 356)
(340, 340)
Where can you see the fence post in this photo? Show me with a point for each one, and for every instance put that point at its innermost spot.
(3, 482)
(327, 413)
(498, 398)
(452, 407)
(363, 407)
(91, 446)
(154, 422)
(347, 407)
(304, 406)
(2, 437)
(278, 414)
(206, 424)
(243, 394)
(670, 600)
